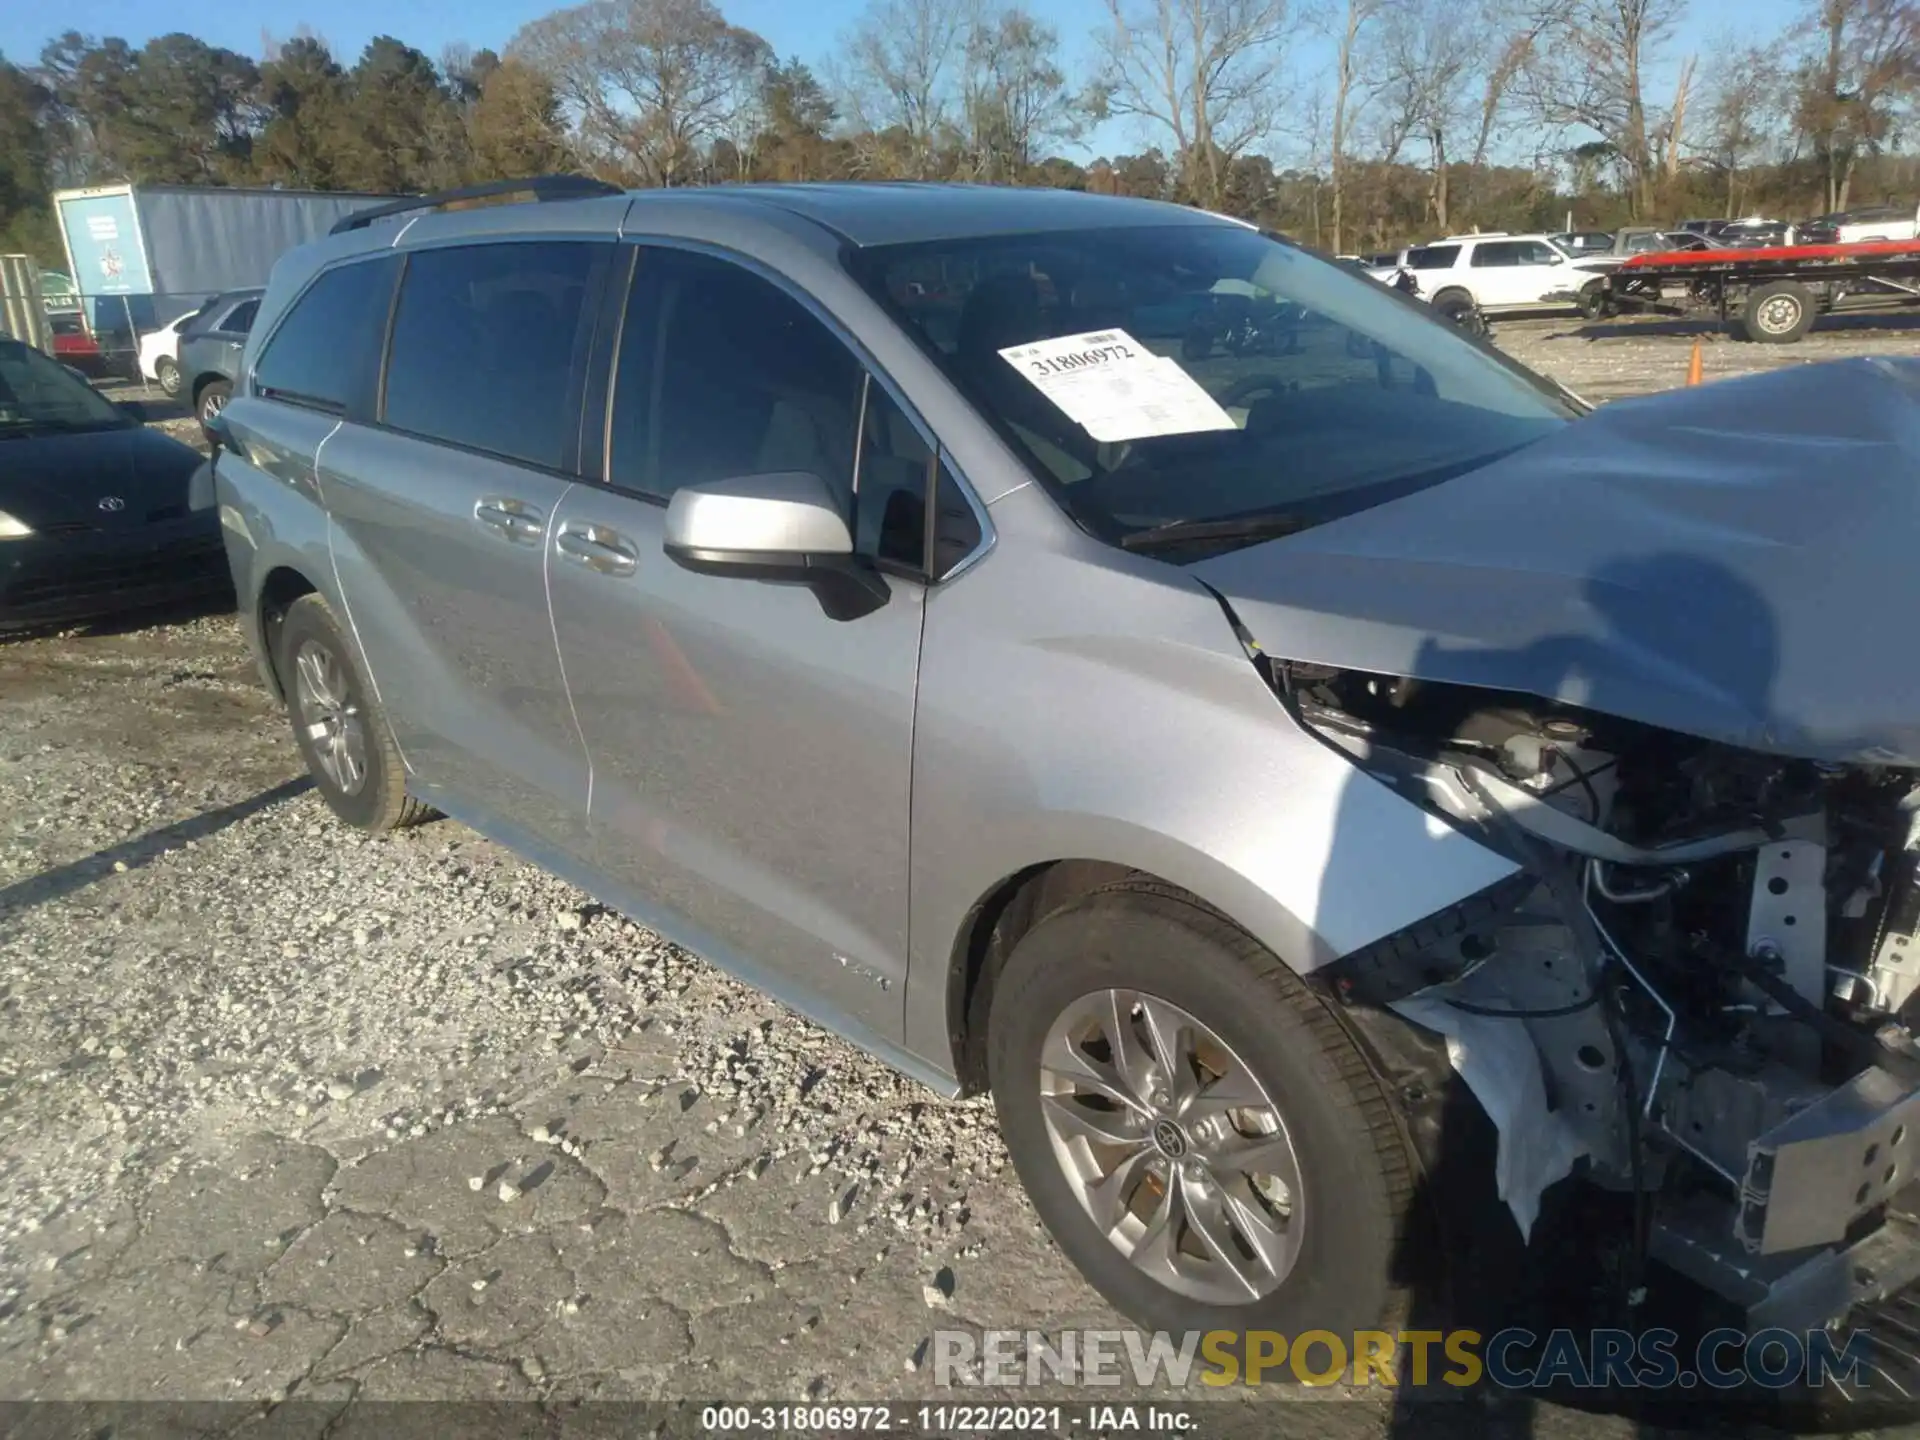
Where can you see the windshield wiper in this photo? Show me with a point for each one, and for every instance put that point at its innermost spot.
(1197, 532)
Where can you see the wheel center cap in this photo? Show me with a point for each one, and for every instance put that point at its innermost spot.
(1169, 1139)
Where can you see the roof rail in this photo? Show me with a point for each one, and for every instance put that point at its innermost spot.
(540, 187)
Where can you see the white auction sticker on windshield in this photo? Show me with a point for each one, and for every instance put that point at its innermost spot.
(1115, 388)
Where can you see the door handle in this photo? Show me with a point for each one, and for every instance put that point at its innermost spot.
(598, 548)
(515, 519)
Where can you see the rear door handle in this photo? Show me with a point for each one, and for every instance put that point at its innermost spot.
(515, 519)
(598, 548)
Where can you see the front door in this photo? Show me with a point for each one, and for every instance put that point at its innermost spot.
(751, 756)
(442, 515)
(1541, 272)
(1498, 278)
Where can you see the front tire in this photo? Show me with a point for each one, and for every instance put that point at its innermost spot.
(1199, 1133)
(338, 724)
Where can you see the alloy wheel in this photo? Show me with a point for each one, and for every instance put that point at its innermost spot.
(1173, 1146)
(329, 716)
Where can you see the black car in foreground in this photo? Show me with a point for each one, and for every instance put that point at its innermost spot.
(98, 513)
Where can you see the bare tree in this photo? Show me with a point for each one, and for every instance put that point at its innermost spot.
(648, 83)
(1015, 93)
(1446, 73)
(1743, 108)
(1353, 21)
(1861, 66)
(1514, 36)
(1592, 76)
(1210, 72)
(1312, 123)
(1673, 133)
(898, 74)
(1428, 58)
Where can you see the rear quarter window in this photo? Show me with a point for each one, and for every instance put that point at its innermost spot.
(326, 353)
(1433, 257)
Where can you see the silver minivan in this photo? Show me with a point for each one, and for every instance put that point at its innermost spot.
(1337, 793)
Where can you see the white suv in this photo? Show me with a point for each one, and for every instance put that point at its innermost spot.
(1494, 272)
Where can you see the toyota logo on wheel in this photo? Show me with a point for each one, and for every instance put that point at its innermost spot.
(111, 503)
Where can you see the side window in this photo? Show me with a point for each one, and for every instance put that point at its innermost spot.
(1538, 254)
(484, 346)
(326, 351)
(1495, 252)
(890, 505)
(241, 320)
(721, 374)
(956, 529)
(1433, 257)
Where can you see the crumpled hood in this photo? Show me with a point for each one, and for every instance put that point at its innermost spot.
(1738, 561)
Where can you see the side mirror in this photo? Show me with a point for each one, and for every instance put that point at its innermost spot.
(784, 526)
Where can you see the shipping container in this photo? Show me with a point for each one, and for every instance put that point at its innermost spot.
(141, 255)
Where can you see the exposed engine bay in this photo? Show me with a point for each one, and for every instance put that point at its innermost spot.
(1711, 954)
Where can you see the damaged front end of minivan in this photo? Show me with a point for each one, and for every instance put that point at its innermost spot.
(1702, 983)
(1638, 659)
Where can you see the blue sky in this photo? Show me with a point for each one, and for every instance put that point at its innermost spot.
(806, 28)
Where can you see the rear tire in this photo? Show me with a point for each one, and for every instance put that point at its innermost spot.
(1777, 313)
(1228, 998)
(1457, 307)
(338, 724)
(209, 400)
(168, 374)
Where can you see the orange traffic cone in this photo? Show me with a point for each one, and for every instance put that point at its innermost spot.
(1694, 365)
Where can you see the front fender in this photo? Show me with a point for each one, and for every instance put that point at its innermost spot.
(1077, 702)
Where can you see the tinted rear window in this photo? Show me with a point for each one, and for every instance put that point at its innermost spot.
(484, 346)
(1433, 257)
(1499, 253)
(325, 352)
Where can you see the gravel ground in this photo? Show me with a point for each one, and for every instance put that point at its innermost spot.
(287, 1112)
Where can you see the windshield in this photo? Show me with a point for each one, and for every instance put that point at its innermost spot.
(1185, 376)
(39, 395)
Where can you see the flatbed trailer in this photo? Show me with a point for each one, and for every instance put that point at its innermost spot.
(1772, 294)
